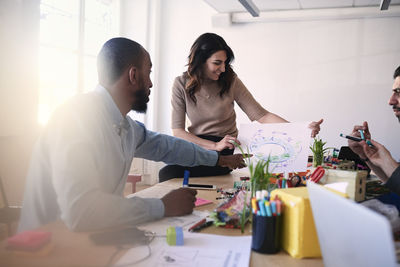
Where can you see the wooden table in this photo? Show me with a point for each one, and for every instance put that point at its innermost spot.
(75, 249)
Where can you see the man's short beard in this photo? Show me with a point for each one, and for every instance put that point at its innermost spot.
(396, 108)
(141, 97)
(140, 104)
(140, 109)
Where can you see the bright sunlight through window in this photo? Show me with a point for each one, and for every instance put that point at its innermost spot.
(71, 34)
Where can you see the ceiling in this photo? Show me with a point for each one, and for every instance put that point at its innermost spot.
(231, 6)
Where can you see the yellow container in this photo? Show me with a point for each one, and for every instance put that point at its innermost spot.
(299, 236)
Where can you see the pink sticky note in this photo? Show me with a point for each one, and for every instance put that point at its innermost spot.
(201, 202)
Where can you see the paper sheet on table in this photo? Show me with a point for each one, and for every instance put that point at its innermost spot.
(287, 144)
(160, 226)
(198, 250)
(341, 186)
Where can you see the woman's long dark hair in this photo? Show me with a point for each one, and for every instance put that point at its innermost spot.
(203, 48)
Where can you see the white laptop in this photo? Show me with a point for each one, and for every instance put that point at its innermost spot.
(350, 234)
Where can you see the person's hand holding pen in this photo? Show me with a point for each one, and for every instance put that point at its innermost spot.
(356, 146)
(378, 155)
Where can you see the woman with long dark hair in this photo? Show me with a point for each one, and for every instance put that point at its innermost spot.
(206, 93)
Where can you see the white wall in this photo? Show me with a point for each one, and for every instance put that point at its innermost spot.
(19, 29)
(339, 70)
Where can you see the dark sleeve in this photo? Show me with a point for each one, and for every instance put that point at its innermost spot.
(394, 181)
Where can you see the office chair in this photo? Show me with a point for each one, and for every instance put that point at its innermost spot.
(8, 215)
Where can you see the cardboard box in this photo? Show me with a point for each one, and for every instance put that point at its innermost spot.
(299, 236)
(356, 181)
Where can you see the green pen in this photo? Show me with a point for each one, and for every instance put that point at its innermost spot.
(362, 134)
(369, 143)
(363, 138)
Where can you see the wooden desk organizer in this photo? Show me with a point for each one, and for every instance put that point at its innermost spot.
(356, 181)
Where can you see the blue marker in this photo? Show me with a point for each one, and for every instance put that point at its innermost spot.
(273, 207)
(283, 183)
(262, 208)
(268, 208)
(363, 138)
(186, 178)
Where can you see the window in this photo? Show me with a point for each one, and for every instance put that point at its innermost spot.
(71, 34)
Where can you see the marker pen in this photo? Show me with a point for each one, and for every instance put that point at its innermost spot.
(284, 183)
(362, 134)
(277, 182)
(261, 205)
(258, 195)
(200, 225)
(278, 207)
(273, 208)
(202, 186)
(201, 222)
(354, 138)
(268, 209)
(254, 205)
(186, 178)
(264, 194)
(204, 225)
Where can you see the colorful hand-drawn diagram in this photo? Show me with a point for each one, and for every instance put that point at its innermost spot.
(287, 144)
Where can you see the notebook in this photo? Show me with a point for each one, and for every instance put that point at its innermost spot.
(350, 234)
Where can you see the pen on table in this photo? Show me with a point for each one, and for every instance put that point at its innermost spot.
(204, 225)
(203, 221)
(200, 225)
(202, 185)
(186, 178)
(354, 138)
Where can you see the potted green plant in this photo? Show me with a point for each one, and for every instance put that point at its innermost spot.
(318, 151)
(260, 174)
